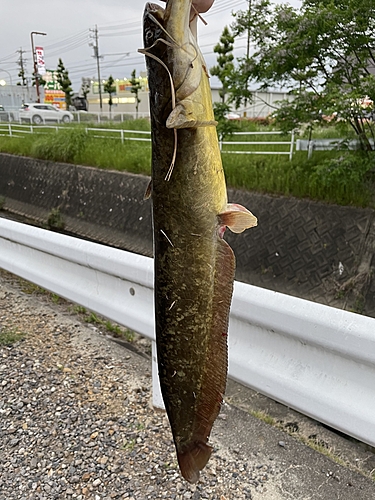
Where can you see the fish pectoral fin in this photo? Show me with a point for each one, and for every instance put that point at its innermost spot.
(181, 116)
(193, 460)
(188, 114)
(237, 218)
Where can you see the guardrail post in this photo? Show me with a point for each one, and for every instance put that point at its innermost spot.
(157, 399)
(10, 129)
(310, 149)
(122, 136)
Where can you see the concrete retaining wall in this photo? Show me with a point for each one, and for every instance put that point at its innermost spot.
(307, 249)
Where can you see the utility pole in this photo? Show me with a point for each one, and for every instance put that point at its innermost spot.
(95, 46)
(21, 64)
(247, 49)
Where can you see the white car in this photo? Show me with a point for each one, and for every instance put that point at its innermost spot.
(42, 113)
(232, 116)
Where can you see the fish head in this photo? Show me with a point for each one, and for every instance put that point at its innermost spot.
(153, 21)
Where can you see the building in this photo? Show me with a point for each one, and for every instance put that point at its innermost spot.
(12, 96)
(123, 101)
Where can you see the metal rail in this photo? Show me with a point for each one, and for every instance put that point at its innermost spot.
(316, 359)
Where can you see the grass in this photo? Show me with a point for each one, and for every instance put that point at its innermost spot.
(345, 178)
(329, 176)
(128, 445)
(10, 337)
(116, 330)
(312, 442)
(264, 417)
(87, 316)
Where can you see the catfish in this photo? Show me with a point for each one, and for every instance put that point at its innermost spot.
(194, 266)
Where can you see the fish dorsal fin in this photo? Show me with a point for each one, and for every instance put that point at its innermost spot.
(237, 218)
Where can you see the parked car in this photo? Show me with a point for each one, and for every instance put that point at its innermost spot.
(5, 116)
(232, 116)
(42, 113)
(79, 103)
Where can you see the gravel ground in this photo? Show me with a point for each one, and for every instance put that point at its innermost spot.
(76, 422)
(76, 419)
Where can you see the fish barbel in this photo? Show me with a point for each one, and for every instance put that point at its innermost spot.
(194, 266)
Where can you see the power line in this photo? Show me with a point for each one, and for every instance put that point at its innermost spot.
(222, 6)
(131, 24)
(71, 39)
(68, 48)
(137, 31)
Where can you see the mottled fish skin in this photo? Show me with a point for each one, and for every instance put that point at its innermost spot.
(194, 266)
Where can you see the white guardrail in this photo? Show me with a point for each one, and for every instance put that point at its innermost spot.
(316, 359)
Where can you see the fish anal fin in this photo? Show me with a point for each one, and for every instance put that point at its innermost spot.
(193, 459)
(237, 218)
(215, 376)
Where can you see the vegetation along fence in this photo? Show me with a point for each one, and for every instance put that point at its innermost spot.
(266, 143)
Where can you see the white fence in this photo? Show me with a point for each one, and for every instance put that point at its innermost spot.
(313, 358)
(106, 116)
(290, 144)
(19, 130)
(328, 145)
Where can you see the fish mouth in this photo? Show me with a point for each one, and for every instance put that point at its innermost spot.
(153, 9)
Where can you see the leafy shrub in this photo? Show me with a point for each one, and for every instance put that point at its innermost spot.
(345, 175)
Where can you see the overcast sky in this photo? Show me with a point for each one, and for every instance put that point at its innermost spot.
(69, 25)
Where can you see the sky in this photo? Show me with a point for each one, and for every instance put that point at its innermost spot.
(69, 26)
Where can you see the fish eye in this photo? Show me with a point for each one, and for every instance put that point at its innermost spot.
(148, 34)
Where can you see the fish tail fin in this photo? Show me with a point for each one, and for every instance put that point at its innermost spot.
(193, 459)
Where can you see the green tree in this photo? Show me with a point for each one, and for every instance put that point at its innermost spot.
(225, 128)
(85, 89)
(136, 86)
(41, 81)
(62, 77)
(110, 88)
(22, 75)
(322, 52)
(225, 58)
